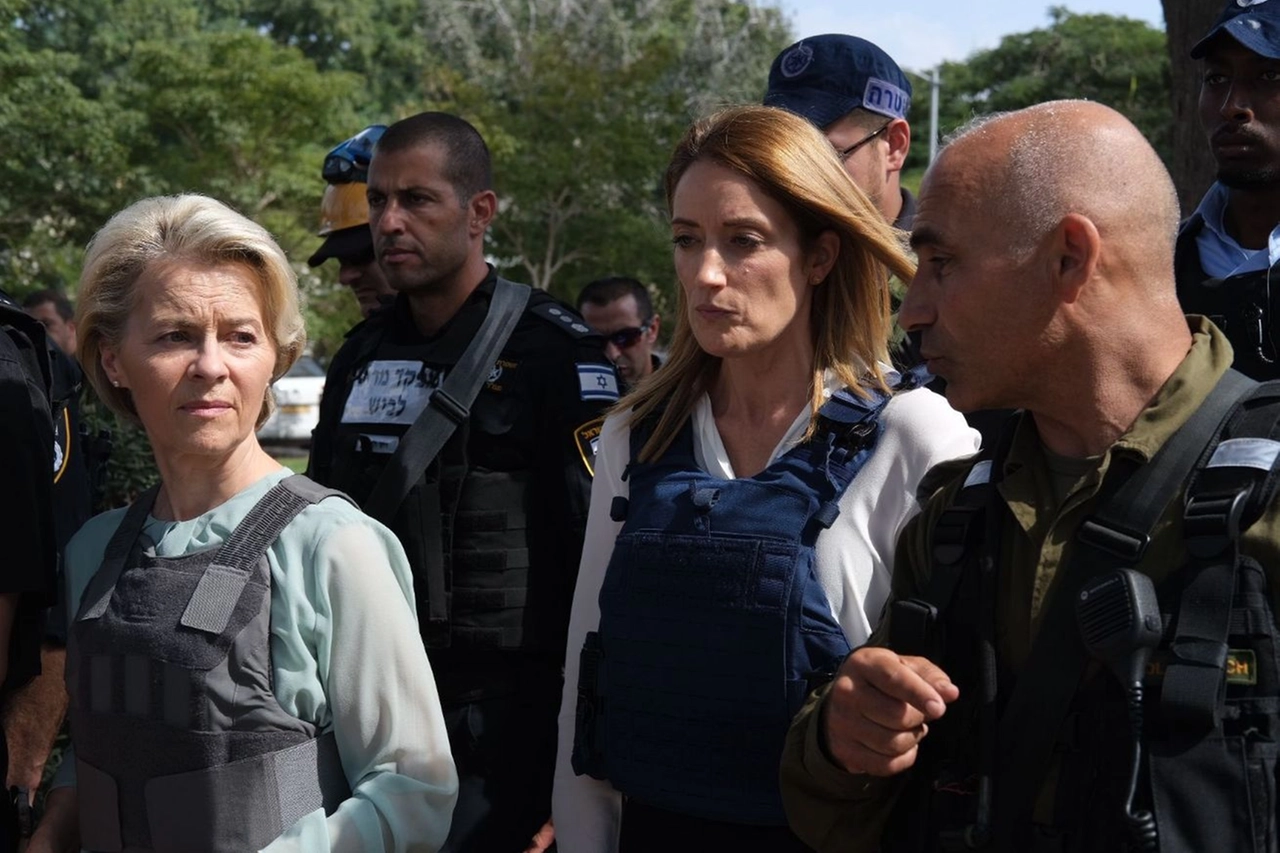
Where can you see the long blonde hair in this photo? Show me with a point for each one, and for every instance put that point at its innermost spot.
(793, 163)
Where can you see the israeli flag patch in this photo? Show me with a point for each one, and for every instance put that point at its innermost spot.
(598, 382)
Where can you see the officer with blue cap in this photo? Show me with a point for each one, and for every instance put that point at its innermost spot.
(1229, 247)
(859, 97)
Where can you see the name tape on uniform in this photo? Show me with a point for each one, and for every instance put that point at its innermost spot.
(390, 392)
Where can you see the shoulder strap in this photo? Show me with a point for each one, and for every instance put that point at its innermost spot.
(216, 595)
(914, 623)
(848, 425)
(1228, 495)
(98, 593)
(450, 404)
(1115, 537)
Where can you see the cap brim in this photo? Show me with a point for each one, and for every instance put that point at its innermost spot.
(820, 108)
(347, 243)
(1260, 35)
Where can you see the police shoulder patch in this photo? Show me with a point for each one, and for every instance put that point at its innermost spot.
(598, 382)
(587, 440)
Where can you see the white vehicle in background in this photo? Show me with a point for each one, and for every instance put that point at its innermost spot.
(297, 404)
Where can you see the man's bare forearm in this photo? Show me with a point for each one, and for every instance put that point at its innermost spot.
(32, 717)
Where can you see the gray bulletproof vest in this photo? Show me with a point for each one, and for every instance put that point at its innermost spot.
(180, 742)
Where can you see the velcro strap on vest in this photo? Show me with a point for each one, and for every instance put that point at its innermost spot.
(491, 521)
(488, 638)
(214, 600)
(489, 599)
(243, 805)
(493, 561)
(266, 794)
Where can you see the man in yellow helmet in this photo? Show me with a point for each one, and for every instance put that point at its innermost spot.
(344, 221)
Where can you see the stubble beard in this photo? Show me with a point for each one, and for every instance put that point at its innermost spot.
(1262, 177)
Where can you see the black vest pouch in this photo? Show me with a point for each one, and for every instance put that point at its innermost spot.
(418, 526)
(1203, 798)
(941, 798)
(1092, 755)
(1217, 790)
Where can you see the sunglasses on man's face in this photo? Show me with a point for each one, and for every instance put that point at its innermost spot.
(628, 337)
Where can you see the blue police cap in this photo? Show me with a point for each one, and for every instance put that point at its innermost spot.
(1253, 23)
(825, 77)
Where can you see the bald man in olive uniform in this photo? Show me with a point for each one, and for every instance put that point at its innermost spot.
(1046, 284)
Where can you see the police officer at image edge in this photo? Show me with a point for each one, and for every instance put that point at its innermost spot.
(465, 418)
(27, 440)
(1229, 249)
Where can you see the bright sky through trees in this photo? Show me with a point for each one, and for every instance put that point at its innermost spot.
(922, 33)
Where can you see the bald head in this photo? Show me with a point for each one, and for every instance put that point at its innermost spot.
(1045, 238)
(1035, 166)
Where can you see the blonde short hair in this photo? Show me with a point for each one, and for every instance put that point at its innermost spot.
(192, 229)
(793, 163)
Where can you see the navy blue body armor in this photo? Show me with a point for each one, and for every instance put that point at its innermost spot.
(713, 626)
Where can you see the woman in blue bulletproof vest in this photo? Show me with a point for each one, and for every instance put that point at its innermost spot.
(244, 664)
(746, 498)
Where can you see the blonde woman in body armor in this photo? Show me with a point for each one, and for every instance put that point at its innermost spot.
(244, 664)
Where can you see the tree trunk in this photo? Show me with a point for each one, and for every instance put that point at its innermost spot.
(1186, 21)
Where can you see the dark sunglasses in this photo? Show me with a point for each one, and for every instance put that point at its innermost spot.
(628, 337)
(349, 160)
(846, 153)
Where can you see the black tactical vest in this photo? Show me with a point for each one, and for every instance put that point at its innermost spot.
(1243, 306)
(463, 527)
(180, 743)
(1212, 692)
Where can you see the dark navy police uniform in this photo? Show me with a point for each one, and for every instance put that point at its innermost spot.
(26, 501)
(493, 530)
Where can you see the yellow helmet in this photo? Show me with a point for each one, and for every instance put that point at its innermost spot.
(343, 206)
(344, 225)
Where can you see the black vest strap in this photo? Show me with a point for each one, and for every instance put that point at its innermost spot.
(1116, 537)
(1222, 501)
(449, 405)
(447, 408)
(915, 623)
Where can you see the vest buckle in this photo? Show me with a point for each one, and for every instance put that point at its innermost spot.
(1125, 544)
(951, 534)
(448, 406)
(1211, 522)
(911, 626)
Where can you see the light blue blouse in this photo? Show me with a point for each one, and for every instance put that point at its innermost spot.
(346, 655)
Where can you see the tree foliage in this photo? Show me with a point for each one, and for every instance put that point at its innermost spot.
(1117, 61)
(581, 101)
(107, 102)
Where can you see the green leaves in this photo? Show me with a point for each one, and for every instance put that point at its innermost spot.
(1117, 61)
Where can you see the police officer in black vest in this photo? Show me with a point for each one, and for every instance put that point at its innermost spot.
(27, 583)
(1228, 250)
(33, 716)
(464, 418)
